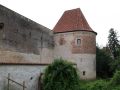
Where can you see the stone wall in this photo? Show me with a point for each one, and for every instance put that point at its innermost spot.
(10, 57)
(25, 48)
(24, 38)
(28, 73)
(17, 37)
(84, 55)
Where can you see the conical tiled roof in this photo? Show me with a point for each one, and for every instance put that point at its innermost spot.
(72, 20)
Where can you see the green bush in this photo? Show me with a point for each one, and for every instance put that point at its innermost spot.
(115, 65)
(95, 85)
(61, 75)
(114, 83)
(115, 88)
(116, 79)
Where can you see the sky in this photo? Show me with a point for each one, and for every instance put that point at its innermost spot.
(102, 15)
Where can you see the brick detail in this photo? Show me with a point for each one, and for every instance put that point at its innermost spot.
(88, 45)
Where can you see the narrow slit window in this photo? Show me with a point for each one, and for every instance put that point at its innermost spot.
(1, 25)
(78, 42)
(83, 73)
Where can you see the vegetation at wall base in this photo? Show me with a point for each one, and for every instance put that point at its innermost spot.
(102, 84)
(61, 75)
(94, 85)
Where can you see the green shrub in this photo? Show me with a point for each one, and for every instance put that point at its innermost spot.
(96, 85)
(115, 88)
(116, 79)
(114, 83)
(61, 75)
(115, 65)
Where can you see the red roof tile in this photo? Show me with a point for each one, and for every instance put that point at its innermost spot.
(72, 20)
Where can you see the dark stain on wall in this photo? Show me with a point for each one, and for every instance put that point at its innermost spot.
(22, 34)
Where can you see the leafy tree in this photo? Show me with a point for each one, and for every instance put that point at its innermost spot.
(115, 65)
(61, 75)
(113, 43)
(103, 61)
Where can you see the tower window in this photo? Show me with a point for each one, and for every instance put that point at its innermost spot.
(1, 25)
(83, 73)
(78, 42)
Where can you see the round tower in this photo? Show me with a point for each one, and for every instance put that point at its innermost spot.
(75, 41)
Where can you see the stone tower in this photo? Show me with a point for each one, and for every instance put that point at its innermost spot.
(76, 41)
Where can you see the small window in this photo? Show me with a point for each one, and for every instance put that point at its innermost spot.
(83, 73)
(78, 42)
(1, 25)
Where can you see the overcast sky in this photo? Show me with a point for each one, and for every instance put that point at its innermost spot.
(100, 14)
